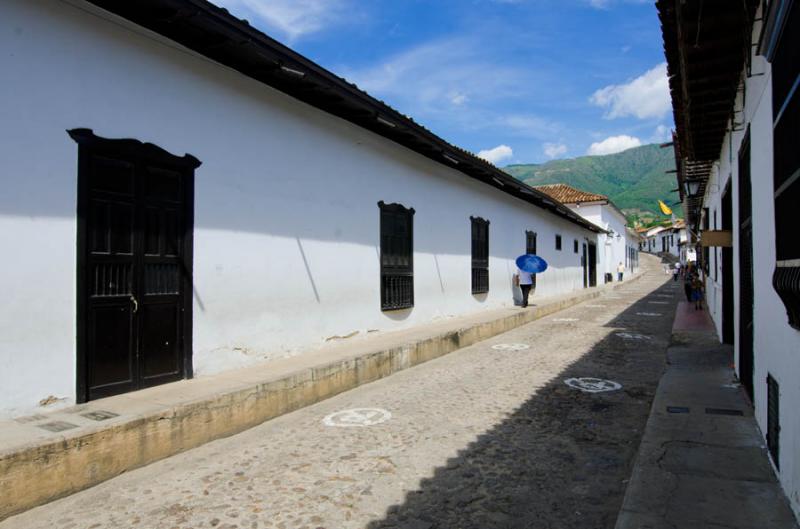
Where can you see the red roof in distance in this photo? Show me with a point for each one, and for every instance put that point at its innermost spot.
(569, 195)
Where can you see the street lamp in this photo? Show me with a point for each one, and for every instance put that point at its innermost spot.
(693, 187)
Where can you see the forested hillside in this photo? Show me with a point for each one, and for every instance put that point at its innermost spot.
(634, 179)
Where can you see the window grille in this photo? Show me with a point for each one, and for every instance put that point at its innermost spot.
(706, 250)
(773, 419)
(530, 248)
(558, 242)
(480, 255)
(786, 164)
(716, 255)
(397, 256)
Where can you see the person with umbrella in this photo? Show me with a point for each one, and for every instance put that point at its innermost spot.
(527, 265)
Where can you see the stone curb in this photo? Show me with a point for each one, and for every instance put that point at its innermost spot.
(44, 471)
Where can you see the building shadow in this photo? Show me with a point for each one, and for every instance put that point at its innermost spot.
(562, 459)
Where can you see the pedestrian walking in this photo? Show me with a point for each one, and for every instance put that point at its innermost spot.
(524, 280)
(676, 271)
(620, 271)
(697, 292)
(687, 285)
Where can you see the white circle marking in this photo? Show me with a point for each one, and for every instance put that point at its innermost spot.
(357, 417)
(632, 336)
(511, 346)
(592, 385)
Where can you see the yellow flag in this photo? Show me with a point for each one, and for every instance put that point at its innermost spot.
(664, 208)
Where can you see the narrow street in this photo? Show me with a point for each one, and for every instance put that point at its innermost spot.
(488, 436)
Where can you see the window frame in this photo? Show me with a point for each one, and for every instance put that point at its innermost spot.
(786, 160)
(396, 273)
(480, 255)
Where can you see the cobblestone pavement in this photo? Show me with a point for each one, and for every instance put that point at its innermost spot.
(484, 437)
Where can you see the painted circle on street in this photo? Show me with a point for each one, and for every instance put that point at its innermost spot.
(357, 417)
(592, 385)
(632, 336)
(511, 346)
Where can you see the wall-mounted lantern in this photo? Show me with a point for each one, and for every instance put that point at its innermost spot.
(693, 187)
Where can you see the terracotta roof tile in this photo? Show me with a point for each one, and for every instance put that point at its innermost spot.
(569, 195)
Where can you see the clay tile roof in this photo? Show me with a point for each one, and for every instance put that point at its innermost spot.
(569, 195)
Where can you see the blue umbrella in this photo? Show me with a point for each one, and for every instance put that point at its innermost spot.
(531, 263)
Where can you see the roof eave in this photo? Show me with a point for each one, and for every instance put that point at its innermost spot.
(214, 33)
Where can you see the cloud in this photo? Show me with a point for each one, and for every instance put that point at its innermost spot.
(293, 18)
(497, 154)
(661, 134)
(429, 79)
(457, 98)
(614, 144)
(529, 126)
(645, 97)
(554, 150)
(605, 4)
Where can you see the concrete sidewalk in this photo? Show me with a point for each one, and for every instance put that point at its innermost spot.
(50, 455)
(702, 461)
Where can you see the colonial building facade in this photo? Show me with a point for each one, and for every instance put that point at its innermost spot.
(183, 195)
(735, 86)
(616, 246)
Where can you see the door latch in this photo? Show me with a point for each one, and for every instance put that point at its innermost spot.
(135, 304)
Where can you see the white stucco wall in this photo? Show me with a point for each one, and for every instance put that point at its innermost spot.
(776, 344)
(286, 240)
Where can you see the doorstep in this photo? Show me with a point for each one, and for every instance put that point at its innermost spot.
(50, 455)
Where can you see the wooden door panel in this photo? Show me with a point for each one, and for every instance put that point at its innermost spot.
(159, 348)
(111, 368)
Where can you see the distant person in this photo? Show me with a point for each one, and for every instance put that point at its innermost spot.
(620, 271)
(697, 292)
(676, 271)
(525, 281)
(687, 284)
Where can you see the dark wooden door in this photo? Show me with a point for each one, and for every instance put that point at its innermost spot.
(585, 265)
(746, 295)
(134, 274)
(530, 249)
(592, 265)
(727, 270)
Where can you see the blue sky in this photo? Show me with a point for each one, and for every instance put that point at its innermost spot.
(517, 81)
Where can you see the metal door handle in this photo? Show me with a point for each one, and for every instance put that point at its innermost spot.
(135, 304)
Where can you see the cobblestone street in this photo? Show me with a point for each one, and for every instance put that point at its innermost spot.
(488, 436)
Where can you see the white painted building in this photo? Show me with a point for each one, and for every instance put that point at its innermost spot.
(667, 240)
(739, 173)
(306, 209)
(617, 245)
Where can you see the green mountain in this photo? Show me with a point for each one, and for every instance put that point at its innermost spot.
(634, 179)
